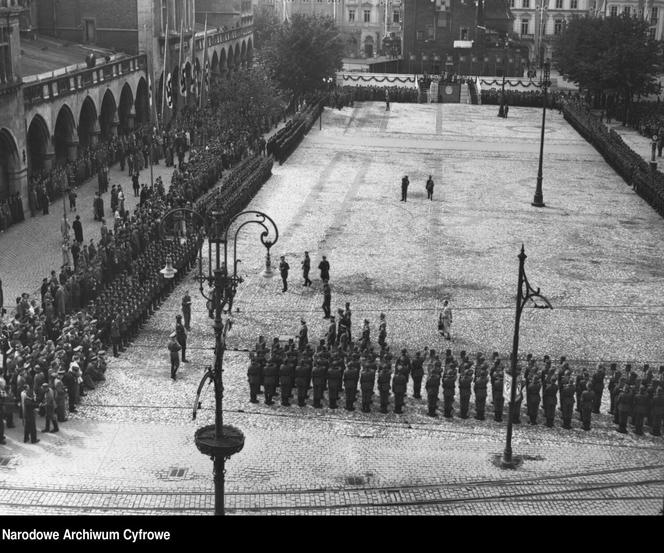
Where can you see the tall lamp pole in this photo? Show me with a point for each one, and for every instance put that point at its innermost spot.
(538, 200)
(525, 293)
(218, 440)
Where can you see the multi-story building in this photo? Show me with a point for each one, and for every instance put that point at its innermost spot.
(650, 10)
(364, 24)
(465, 36)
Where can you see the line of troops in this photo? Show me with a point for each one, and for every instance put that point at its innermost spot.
(359, 367)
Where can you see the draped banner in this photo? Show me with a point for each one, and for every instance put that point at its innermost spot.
(362, 78)
(499, 82)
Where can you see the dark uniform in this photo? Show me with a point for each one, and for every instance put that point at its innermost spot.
(286, 373)
(254, 375)
(498, 397)
(479, 388)
(301, 383)
(432, 386)
(417, 372)
(181, 337)
(334, 376)
(270, 379)
(465, 383)
(399, 385)
(283, 270)
(549, 400)
(384, 388)
(367, 378)
(641, 409)
(624, 404)
(533, 399)
(587, 403)
(174, 348)
(598, 388)
(29, 421)
(567, 390)
(657, 412)
(613, 390)
(351, 379)
(382, 331)
(449, 386)
(318, 376)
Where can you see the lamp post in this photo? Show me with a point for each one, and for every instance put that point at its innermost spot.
(219, 441)
(538, 200)
(525, 293)
(501, 109)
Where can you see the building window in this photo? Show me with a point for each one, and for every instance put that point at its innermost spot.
(627, 10)
(574, 4)
(652, 32)
(463, 34)
(89, 30)
(613, 11)
(653, 15)
(164, 16)
(511, 3)
(351, 16)
(525, 4)
(396, 16)
(5, 56)
(559, 4)
(525, 23)
(367, 16)
(557, 26)
(419, 35)
(594, 6)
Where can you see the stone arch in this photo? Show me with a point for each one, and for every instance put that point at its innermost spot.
(126, 111)
(214, 63)
(38, 143)
(229, 60)
(64, 135)
(250, 53)
(108, 116)
(236, 61)
(243, 54)
(10, 163)
(88, 124)
(223, 62)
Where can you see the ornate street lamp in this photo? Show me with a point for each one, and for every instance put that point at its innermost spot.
(525, 293)
(219, 441)
(538, 200)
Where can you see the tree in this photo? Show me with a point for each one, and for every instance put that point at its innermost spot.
(612, 54)
(247, 98)
(303, 52)
(265, 24)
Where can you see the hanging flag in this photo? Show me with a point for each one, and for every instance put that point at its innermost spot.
(165, 77)
(206, 65)
(169, 91)
(182, 83)
(192, 51)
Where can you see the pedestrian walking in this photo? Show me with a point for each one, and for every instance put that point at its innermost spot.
(174, 349)
(327, 299)
(72, 199)
(29, 418)
(404, 188)
(78, 229)
(445, 320)
(48, 403)
(303, 337)
(306, 267)
(181, 335)
(186, 310)
(429, 187)
(324, 267)
(387, 100)
(283, 270)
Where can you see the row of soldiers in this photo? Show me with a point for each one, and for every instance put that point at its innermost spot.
(335, 369)
(11, 211)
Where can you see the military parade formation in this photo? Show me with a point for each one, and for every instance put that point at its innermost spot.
(345, 368)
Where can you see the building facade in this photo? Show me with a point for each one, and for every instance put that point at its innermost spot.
(364, 24)
(463, 36)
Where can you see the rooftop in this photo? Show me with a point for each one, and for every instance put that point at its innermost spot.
(44, 54)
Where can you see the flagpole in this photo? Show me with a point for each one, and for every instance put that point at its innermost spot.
(200, 103)
(180, 74)
(164, 77)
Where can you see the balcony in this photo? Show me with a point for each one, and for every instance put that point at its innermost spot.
(527, 36)
(71, 80)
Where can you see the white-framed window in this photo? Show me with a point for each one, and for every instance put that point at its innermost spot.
(627, 10)
(351, 16)
(654, 14)
(557, 26)
(613, 11)
(652, 32)
(396, 16)
(525, 3)
(573, 4)
(6, 75)
(525, 24)
(511, 3)
(367, 16)
(559, 4)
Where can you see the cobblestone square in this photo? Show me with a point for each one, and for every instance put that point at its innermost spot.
(595, 251)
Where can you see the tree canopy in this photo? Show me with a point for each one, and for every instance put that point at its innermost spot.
(265, 24)
(611, 53)
(303, 52)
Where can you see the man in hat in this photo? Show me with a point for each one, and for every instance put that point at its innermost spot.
(445, 320)
(624, 405)
(303, 338)
(365, 340)
(657, 412)
(254, 375)
(331, 335)
(174, 348)
(432, 387)
(186, 310)
(382, 331)
(324, 267)
(270, 381)
(327, 301)
(384, 388)
(399, 386)
(417, 372)
(283, 270)
(404, 188)
(367, 379)
(429, 187)
(29, 419)
(49, 409)
(641, 409)
(587, 403)
(351, 380)
(306, 267)
(181, 336)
